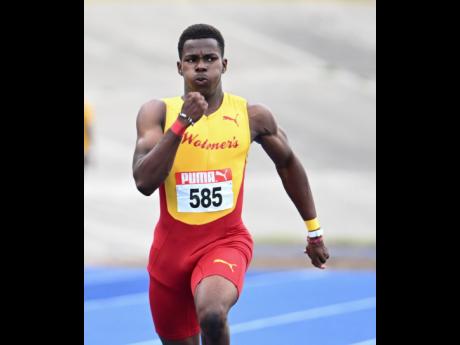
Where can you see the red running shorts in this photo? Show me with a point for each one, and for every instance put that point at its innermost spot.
(180, 257)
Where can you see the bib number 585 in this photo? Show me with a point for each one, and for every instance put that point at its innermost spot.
(205, 197)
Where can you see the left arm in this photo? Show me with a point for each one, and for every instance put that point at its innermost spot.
(265, 131)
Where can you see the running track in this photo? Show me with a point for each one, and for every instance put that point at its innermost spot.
(306, 306)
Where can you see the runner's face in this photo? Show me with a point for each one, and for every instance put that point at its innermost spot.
(202, 65)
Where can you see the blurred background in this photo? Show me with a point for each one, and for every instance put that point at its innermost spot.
(313, 63)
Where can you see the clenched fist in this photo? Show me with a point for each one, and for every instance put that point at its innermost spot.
(317, 252)
(194, 105)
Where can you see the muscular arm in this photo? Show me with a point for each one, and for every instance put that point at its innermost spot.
(265, 131)
(155, 151)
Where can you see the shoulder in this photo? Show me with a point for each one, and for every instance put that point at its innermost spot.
(152, 107)
(261, 119)
(258, 110)
(152, 112)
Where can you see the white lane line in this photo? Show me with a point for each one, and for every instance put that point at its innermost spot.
(283, 319)
(308, 314)
(366, 342)
(112, 277)
(256, 281)
(148, 342)
(117, 302)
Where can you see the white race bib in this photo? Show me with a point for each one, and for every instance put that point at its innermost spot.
(204, 191)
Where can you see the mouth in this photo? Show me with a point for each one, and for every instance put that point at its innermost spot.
(201, 80)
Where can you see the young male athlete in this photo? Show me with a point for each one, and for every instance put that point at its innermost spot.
(193, 148)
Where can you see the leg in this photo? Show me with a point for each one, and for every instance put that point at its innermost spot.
(217, 282)
(214, 297)
(173, 313)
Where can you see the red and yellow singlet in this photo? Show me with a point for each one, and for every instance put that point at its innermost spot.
(207, 174)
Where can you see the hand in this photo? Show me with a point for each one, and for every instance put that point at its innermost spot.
(318, 253)
(194, 105)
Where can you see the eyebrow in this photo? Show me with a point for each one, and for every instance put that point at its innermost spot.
(204, 55)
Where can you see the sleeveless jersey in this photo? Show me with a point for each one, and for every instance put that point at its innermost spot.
(207, 175)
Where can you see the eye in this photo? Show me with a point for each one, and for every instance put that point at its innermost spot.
(210, 58)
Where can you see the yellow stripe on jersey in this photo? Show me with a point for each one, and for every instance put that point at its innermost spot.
(216, 142)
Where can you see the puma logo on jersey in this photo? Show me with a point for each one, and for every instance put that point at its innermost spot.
(202, 177)
(232, 119)
(224, 175)
(225, 263)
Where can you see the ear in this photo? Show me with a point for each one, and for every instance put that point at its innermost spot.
(179, 67)
(224, 65)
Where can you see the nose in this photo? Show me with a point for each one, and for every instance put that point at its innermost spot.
(200, 66)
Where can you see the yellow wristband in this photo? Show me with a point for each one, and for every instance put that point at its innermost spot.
(312, 224)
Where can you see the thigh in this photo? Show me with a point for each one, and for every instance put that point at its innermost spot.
(227, 265)
(173, 312)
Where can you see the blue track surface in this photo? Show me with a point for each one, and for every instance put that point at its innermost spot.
(277, 307)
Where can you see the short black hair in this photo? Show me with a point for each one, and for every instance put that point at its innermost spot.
(197, 31)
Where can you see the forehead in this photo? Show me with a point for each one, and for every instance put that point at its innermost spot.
(201, 46)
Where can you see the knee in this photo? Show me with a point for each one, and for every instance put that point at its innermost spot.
(213, 321)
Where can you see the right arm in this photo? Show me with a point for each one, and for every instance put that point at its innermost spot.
(155, 151)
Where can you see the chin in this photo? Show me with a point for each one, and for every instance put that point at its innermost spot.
(204, 90)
